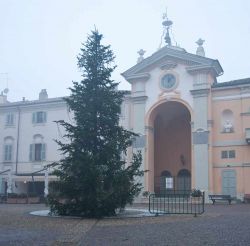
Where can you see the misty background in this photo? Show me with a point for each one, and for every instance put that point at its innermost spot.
(40, 39)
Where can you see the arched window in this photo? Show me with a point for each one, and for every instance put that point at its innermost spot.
(8, 149)
(227, 121)
(166, 174)
(37, 149)
(184, 173)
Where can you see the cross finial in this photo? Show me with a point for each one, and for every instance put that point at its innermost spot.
(165, 15)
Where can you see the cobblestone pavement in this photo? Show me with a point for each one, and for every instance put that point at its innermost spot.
(220, 225)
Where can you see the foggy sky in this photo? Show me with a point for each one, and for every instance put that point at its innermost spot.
(40, 39)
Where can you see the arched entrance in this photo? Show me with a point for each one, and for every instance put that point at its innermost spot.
(169, 147)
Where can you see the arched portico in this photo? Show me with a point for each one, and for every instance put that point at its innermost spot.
(169, 147)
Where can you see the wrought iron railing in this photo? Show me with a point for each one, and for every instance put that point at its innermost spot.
(176, 203)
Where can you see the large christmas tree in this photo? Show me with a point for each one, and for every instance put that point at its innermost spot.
(94, 179)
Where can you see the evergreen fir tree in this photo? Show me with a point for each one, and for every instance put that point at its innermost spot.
(93, 178)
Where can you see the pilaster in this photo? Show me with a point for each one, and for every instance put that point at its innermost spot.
(138, 127)
(200, 139)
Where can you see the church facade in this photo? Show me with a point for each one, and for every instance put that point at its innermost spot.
(193, 131)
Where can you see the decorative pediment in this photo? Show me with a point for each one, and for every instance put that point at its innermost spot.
(168, 58)
(168, 65)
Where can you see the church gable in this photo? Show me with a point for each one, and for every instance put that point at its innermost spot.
(168, 58)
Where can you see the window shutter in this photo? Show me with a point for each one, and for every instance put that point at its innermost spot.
(32, 152)
(43, 152)
(7, 119)
(6, 152)
(11, 119)
(44, 117)
(34, 118)
(10, 152)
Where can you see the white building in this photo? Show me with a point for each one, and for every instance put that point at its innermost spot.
(27, 134)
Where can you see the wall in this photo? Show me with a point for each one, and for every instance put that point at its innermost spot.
(236, 99)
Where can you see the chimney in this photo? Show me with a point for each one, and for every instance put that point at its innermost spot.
(3, 98)
(43, 95)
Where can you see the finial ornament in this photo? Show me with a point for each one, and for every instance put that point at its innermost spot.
(200, 41)
(166, 25)
(141, 53)
(200, 50)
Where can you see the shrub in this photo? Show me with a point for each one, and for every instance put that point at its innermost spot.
(196, 193)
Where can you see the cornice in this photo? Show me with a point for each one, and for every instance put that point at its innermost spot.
(203, 68)
(24, 104)
(139, 98)
(242, 87)
(200, 92)
(139, 76)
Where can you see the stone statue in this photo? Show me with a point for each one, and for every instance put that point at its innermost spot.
(228, 127)
(141, 52)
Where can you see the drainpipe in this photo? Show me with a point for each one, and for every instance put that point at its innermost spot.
(17, 139)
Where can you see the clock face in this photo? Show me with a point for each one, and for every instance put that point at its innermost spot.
(168, 81)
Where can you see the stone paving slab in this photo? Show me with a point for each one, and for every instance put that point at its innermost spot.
(221, 225)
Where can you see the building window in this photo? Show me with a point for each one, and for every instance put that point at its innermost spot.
(8, 149)
(228, 154)
(37, 152)
(9, 119)
(231, 153)
(8, 153)
(39, 117)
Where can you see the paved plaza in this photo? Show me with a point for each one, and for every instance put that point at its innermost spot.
(220, 225)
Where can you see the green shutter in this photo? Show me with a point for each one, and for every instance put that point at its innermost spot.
(11, 119)
(5, 152)
(44, 117)
(43, 152)
(7, 119)
(10, 152)
(32, 152)
(34, 118)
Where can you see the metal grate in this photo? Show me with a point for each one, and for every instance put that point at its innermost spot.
(180, 202)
